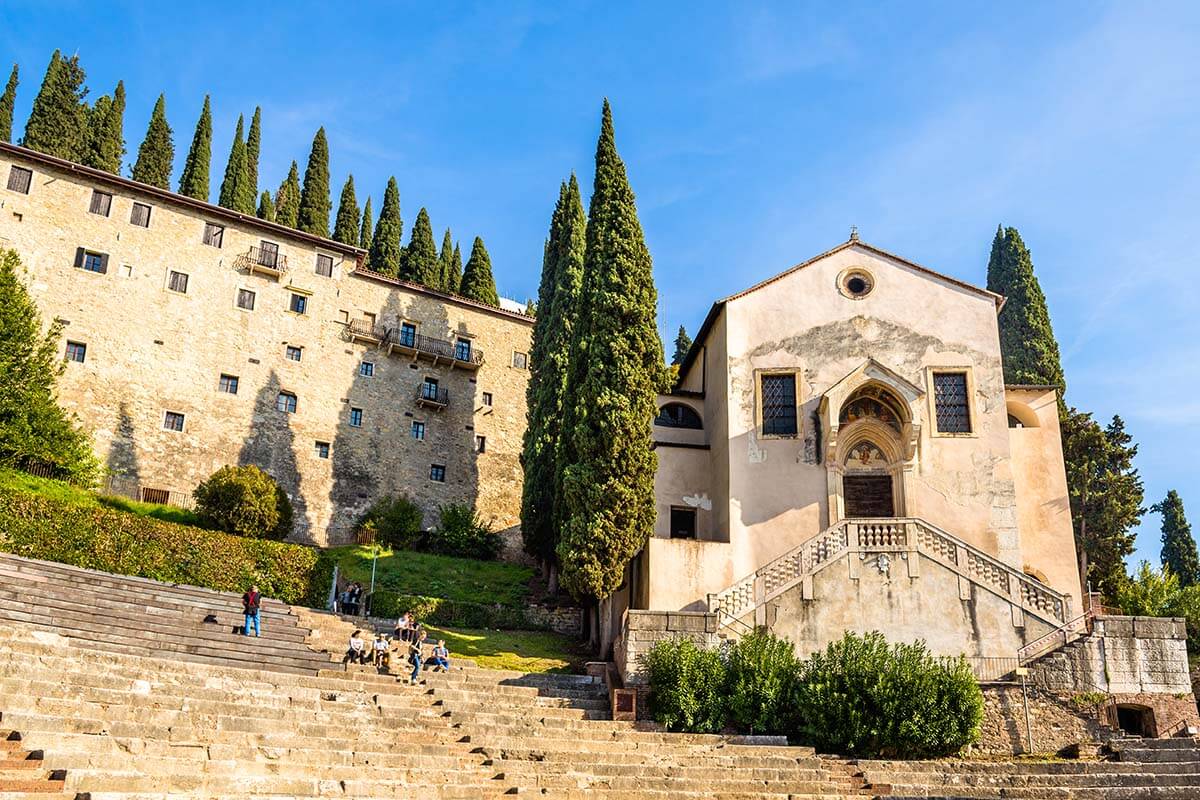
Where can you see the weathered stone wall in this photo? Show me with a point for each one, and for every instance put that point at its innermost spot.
(567, 620)
(151, 350)
(1056, 723)
(1122, 655)
(642, 629)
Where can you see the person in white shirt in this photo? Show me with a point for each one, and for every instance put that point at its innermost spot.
(382, 653)
(357, 653)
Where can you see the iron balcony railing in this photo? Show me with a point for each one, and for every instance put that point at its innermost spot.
(267, 258)
(440, 348)
(432, 394)
(367, 329)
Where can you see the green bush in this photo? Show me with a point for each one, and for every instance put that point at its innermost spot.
(761, 671)
(114, 541)
(1157, 593)
(687, 686)
(460, 532)
(395, 521)
(864, 697)
(245, 501)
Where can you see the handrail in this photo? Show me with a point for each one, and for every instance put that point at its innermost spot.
(398, 337)
(1024, 653)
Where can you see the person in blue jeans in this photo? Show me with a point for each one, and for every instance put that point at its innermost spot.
(251, 607)
(414, 655)
(441, 657)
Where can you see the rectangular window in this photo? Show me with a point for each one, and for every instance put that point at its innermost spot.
(429, 389)
(487, 399)
(140, 215)
(779, 405)
(268, 254)
(245, 299)
(462, 350)
(286, 402)
(90, 261)
(228, 384)
(324, 265)
(173, 421)
(366, 369)
(299, 303)
(177, 281)
(950, 402)
(293, 353)
(437, 472)
(19, 179)
(356, 418)
(101, 203)
(408, 334)
(76, 351)
(480, 444)
(214, 234)
(322, 449)
(520, 360)
(683, 522)
(418, 430)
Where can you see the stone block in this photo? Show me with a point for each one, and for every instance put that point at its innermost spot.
(684, 621)
(1154, 628)
(647, 620)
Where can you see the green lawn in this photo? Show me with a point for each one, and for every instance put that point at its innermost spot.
(74, 495)
(461, 579)
(524, 651)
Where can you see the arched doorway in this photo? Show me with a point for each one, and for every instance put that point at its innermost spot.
(867, 489)
(870, 461)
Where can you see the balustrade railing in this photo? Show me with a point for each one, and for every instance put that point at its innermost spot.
(267, 258)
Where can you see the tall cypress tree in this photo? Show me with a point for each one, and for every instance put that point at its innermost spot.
(1178, 547)
(314, 197)
(7, 103)
(193, 182)
(683, 343)
(106, 137)
(477, 281)
(365, 234)
(345, 228)
(287, 199)
(420, 258)
(454, 277)
(253, 148)
(445, 261)
(236, 192)
(266, 207)
(157, 153)
(57, 124)
(550, 354)
(616, 368)
(386, 249)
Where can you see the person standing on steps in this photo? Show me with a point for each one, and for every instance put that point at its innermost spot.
(414, 649)
(251, 607)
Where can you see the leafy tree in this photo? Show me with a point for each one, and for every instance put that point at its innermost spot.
(455, 275)
(760, 674)
(57, 124)
(1106, 497)
(346, 227)
(1027, 341)
(236, 192)
(461, 532)
(445, 262)
(314, 198)
(607, 463)
(266, 207)
(530, 307)
(683, 343)
(157, 153)
(687, 686)
(253, 150)
(245, 501)
(193, 182)
(7, 103)
(365, 234)
(34, 430)
(287, 199)
(1178, 546)
(384, 256)
(421, 258)
(395, 521)
(477, 282)
(106, 137)
(550, 355)
(1155, 593)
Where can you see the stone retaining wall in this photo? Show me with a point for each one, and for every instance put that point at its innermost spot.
(641, 629)
(1056, 724)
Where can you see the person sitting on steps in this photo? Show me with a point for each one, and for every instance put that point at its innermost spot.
(251, 609)
(357, 652)
(382, 652)
(404, 624)
(441, 657)
(414, 649)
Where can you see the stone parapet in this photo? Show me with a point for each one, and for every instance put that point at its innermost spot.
(641, 629)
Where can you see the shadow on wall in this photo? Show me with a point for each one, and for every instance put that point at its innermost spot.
(388, 442)
(124, 472)
(269, 445)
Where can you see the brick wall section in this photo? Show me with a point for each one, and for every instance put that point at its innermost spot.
(151, 350)
(641, 629)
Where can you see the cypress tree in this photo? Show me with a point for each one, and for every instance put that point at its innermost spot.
(266, 207)
(1027, 342)
(253, 148)
(157, 153)
(1178, 547)
(683, 343)
(365, 234)
(445, 261)
(454, 277)
(421, 257)
(106, 137)
(550, 354)
(346, 227)
(236, 192)
(287, 199)
(314, 197)
(477, 282)
(386, 249)
(7, 103)
(57, 124)
(193, 182)
(607, 463)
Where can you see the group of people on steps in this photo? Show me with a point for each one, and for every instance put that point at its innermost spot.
(409, 639)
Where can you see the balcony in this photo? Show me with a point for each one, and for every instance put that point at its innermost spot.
(432, 396)
(438, 350)
(265, 261)
(366, 331)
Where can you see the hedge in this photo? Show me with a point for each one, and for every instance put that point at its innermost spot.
(115, 541)
(452, 613)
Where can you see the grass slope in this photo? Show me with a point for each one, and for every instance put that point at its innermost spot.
(523, 651)
(74, 495)
(460, 579)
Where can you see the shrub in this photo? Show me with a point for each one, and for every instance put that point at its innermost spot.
(245, 501)
(396, 522)
(451, 613)
(865, 698)
(460, 532)
(687, 686)
(115, 541)
(761, 670)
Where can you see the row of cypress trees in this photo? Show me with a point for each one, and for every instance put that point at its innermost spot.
(597, 365)
(62, 124)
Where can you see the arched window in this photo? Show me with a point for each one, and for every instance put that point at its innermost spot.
(678, 415)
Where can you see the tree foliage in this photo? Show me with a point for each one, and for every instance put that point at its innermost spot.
(314, 197)
(683, 343)
(761, 671)
(57, 124)
(266, 207)
(236, 192)
(245, 501)
(1159, 593)
(193, 181)
(477, 282)
(7, 102)
(1178, 547)
(395, 522)
(156, 156)
(607, 462)
(384, 256)
(106, 137)
(287, 199)
(253, 150)
(420, 257)
(455, 275)
(446, 263)
(687, 686)
(346, 225)
(366, 234)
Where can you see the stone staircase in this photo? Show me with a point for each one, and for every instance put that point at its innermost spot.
(23, 773)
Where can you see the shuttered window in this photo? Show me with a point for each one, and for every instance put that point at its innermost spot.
(101, 203)
(324, 265)
(91, 261)
(214, 235)
(19, 179)
(140, 215)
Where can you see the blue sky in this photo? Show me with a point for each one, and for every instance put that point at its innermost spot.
(754, 136)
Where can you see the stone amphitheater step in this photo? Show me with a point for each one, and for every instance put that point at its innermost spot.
(22, 771)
